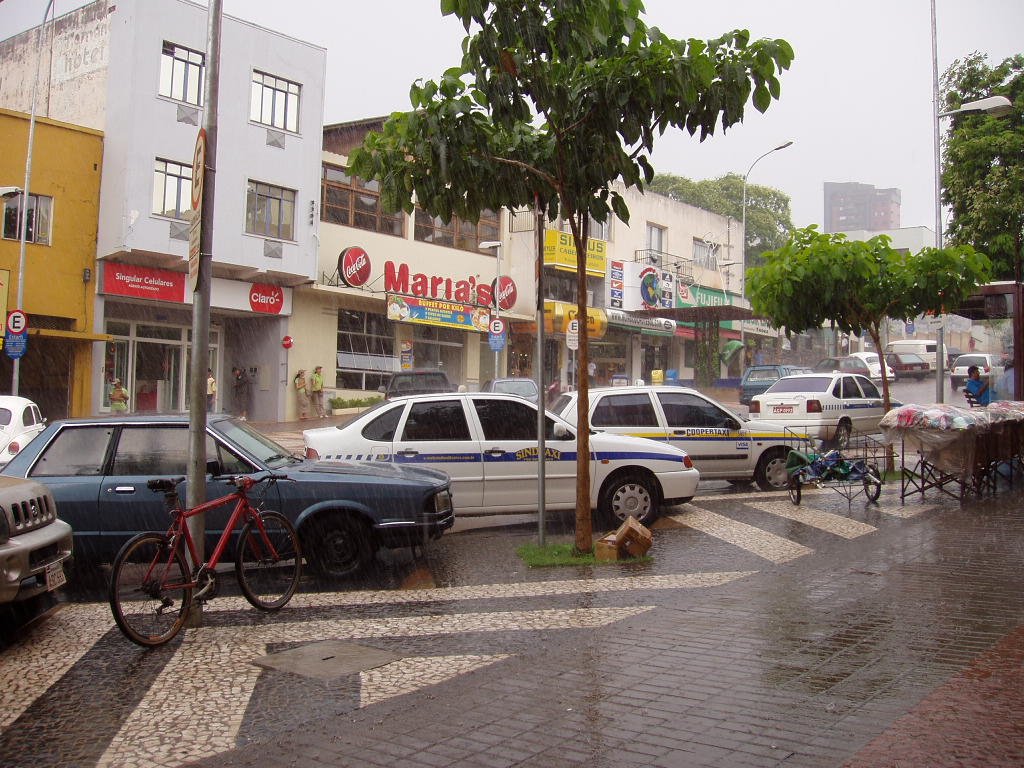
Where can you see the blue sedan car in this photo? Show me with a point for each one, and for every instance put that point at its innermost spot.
(344, 512)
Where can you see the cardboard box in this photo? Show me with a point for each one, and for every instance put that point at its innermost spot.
(633, 539)
(606, 550)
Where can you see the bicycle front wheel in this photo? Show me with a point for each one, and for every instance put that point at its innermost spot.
(269, 561)
(150, 591)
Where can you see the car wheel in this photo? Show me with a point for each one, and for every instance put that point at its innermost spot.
(340, 546)
(629, 495)
(842, 435)
(771, 474)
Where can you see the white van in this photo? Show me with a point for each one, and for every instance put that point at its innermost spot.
(925, 348)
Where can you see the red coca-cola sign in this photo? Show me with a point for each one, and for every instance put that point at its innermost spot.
(505, 293)
(268, 299)
(354, 266)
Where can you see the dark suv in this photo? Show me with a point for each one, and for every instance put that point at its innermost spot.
(417, 382)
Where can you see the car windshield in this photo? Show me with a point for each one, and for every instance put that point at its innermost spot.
(801, 384)
(966, 360)
(870, 358)
(261, 447)
(559, 405)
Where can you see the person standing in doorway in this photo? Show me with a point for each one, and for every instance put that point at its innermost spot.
(316, 388)
(302, 393)
(211, 391)
(242, 392)
(118, 397)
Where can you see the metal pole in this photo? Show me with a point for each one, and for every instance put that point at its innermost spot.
(23, 212)
(538, 369)
(497, 303)
(201, 296)
(940, 354)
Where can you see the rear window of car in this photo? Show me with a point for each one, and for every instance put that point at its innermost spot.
(762, 375)
(967, 360)
(802, 384)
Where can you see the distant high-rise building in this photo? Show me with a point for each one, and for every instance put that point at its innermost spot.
(849, 205)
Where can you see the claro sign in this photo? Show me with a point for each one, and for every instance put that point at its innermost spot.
(267, 299)
(355, 268)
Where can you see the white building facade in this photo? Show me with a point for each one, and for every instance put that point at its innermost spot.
(135, 71)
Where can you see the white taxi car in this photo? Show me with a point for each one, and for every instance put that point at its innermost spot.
(826, 406)
(722, 445)
(487, 443)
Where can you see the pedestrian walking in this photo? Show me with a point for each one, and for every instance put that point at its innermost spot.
(118, 397)
(211, 391)
(242, 391)
(316, 389)
(301, 393)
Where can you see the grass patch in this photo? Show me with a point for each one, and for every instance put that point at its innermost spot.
(554, 555)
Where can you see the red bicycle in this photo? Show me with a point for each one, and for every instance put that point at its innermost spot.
(152, 586)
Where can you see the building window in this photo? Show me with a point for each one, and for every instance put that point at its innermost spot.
(40, 210)
(181, 74)
(352, 202)
(655, 237)
(366, 350)
(458, 233)
(704, 254)
(597, 231)
(270, 211)
(275, 102)
(172, 189)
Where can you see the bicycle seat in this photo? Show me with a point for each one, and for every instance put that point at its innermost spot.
(164, 484)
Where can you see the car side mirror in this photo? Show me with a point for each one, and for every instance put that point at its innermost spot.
(559, 431)
(732, 423)
(213, 467)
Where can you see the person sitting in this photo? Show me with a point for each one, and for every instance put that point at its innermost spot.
(976, 389)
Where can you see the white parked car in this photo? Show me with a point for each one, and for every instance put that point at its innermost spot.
(990, 367)
(875, 366)
(20, 421)
(723, 445)
(487, 443)
(826, 406)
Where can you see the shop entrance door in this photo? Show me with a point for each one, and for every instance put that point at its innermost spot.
(157, 377)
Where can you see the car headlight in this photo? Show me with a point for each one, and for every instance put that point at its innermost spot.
(443, 501)
(5, 526)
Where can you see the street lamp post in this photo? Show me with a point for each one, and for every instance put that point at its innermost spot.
(744, 210)
(997, 106)
(496, 245)
(23, 213)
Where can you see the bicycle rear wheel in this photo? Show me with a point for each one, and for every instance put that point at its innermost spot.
(150, 590)
(269, 562)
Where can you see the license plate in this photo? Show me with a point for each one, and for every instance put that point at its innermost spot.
(55, 576)
(782, 409)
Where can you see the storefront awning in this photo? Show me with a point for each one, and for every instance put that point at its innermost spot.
(705, 314)
(72, 335)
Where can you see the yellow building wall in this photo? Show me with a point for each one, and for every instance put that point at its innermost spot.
(66, 165)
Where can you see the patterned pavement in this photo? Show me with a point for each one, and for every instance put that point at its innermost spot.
(759, 633)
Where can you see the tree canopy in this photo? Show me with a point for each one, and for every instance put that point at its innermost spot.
(983, 161)
(769, 221)
(553, 103)
(821, 279)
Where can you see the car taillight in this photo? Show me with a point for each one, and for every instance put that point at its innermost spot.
(311, 453)
(755, 406)
(687, 462)
(13, 448)
(814, 406)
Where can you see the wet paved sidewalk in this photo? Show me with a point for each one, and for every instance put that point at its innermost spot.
(759, 634)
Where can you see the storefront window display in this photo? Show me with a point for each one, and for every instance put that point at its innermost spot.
(366, 350)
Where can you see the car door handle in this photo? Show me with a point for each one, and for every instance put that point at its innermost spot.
(122, 489)
(495, 452)
(407, 452)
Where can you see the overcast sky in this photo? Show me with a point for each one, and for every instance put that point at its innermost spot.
(856, 102)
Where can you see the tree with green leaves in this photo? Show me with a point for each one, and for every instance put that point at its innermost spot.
(769, 221)
(983, 162)
(855, 285)
(552, 104)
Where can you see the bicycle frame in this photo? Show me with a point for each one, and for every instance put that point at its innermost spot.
(243, 512)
